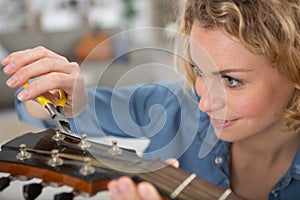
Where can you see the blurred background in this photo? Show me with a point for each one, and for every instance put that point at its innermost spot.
(73, 28)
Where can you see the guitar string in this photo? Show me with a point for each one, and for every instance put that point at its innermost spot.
(94, 162)
(160, 178)
(199, 191)
(155, 177)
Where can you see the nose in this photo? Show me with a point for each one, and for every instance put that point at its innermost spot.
(212, 95)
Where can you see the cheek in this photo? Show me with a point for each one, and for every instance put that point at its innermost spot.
(257, 104)
(198, 86)
(247, 107)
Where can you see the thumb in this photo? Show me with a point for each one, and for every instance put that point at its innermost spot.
(148, 192)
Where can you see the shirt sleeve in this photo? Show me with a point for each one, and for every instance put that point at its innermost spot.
(138, 111)
(135, 111)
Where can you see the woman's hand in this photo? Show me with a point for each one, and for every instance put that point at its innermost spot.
(125, 189)
(52, 72)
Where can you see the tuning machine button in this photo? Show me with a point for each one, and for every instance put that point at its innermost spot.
(5, 182)
(115, 150)
(71, 195)
(33, 190)
(55, 159)
(23, 154)
(65, 196)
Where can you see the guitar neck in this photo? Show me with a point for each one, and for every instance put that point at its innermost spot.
(182, 185)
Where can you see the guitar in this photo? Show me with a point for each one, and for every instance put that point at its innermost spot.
(87, 167)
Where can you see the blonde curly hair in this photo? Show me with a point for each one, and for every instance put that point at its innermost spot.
(266, 27)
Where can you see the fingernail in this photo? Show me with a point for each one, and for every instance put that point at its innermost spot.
(124, 187)
(144, 191)
(12, 81)
(6, 59)
(22, 96)
(113, 190)
(9, 67)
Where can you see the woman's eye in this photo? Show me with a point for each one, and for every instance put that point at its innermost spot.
(232, 82)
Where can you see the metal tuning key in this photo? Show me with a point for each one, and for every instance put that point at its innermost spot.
(58, 136)
(65, 196)
(84, 144)
(5, 182)
(23, 154)
(87, 168)
(55, 159)
(115, 150)
(33, 190)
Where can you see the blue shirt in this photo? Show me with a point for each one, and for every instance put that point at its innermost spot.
(169, 116)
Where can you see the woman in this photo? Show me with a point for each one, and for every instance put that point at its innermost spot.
(254, 45)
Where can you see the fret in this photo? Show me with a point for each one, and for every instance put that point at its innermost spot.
(182, 186)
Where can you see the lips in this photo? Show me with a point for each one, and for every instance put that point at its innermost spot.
(221, 124)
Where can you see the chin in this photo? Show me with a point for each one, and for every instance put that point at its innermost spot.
(227, 137)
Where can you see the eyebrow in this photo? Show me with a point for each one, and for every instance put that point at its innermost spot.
(228, 71)
(222, 72)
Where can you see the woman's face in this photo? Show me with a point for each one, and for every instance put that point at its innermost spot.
(239, 90)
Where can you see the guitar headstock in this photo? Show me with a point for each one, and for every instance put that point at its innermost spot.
(84, 165)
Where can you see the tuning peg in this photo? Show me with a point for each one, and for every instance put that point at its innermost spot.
(87, 168)
(65, 196)
(55, 159)
(23, 154)
(58, 136)
(115, 150)
(84, 144)
(4, 182)
(33, 190)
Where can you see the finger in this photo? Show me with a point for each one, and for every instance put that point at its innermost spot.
(33, 54)
(128, 188)
(5, 61)
(47, 83)
(125, 189)
(113, 190)
(148, 192)
(18, 59)
(41, 67)
(173, 162)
